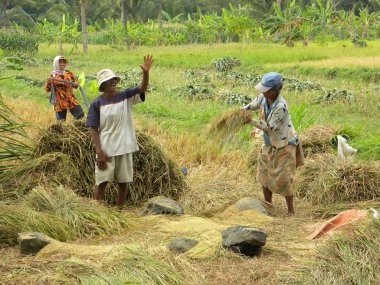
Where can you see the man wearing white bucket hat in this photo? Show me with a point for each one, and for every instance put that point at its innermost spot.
(281, 151)
(112, 132)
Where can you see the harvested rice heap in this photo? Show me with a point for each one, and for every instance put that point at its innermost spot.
(317, 139)
(327, 180)
(64, 154)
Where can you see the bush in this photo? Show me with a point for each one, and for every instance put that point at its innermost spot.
(18, 42)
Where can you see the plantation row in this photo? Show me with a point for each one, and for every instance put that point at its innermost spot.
(317, 22)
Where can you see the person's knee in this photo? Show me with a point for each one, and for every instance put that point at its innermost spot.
(123, 186)
(102, 186)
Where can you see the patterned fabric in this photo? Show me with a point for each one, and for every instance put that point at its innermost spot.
(276, 168)
(65, 98)
(274, 121)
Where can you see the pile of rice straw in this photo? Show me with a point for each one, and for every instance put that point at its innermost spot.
(65, 155)
(327, 180)
(317, 139)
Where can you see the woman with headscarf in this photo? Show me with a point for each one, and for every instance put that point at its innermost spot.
(281, 151)
(61, 83)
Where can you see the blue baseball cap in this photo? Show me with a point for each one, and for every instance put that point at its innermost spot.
(269, 80)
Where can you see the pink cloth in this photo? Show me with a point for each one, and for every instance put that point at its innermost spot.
(344, 218)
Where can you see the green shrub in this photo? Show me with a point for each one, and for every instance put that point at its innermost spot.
(18, 42)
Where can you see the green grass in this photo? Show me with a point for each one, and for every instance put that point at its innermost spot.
(179, 115)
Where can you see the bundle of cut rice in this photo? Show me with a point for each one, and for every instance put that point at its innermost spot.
(229, 122)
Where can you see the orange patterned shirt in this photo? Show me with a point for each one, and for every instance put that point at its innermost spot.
(64, 94)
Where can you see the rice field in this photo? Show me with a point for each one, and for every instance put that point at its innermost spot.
(183, 122)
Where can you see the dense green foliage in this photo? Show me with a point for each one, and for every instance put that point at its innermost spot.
(17, 42)
(186, 77)
(26, 12)
(175, 22)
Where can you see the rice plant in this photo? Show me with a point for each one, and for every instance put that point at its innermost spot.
(369, 147)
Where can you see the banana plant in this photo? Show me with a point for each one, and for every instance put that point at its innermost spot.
(323, 15)
(286, 23)
(61, 33)
(367, 21)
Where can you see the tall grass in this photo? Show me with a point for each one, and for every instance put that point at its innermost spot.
(15, 144)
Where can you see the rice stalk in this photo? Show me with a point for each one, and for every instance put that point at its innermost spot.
(83, 216)
(17, 218)
(73, 140)
(317, 139)
(328, 211)
(213, 189)
(228, 123)
(50, 168)
(253, 156)
(123, 264)
(154, 172)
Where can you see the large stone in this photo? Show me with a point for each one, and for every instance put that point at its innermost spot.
(162, 205)
(250, 203)
(181, 244)
(32, 242)
(244, 240)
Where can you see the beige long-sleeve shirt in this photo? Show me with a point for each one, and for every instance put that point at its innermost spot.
(277, 123)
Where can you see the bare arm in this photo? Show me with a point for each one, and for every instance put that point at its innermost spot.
(148, 61)
(102, 157)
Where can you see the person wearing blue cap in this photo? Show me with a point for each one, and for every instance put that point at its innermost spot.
(281, 152)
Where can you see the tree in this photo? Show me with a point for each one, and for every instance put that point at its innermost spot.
(123, 21)
(84, 25)
(4, 6)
